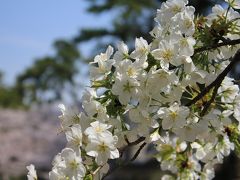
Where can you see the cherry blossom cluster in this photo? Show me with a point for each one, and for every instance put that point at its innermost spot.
(172, 92)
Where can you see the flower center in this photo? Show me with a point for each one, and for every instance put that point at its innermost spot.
(173, 115)
(73, 164)
(167, 54)
(102, 147)
(131, 72)
(127, 87)
(176, 9)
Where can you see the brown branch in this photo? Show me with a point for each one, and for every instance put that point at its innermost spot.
(138, 151)
(217, 81)
(139, 140)
(126, 139)
(214, 46)
(130, 144)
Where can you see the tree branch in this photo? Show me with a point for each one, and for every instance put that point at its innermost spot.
(139, 140)
(217, 81)
(138, 151)
(126, 139)
(214, 46)
(129, 144)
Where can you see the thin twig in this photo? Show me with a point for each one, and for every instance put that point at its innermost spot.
(126, 139)
(124, 148)
(130, 144)
(138, 151)
(214, 46)
(139, 140)
(217, 81)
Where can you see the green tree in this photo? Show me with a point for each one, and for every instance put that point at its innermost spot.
(9, 98)
(46, 79)
(1, 78)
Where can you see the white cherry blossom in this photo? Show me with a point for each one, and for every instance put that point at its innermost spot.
(174, 116)
(126, 88)
(141, 49)
(103, 148)
(32, 174)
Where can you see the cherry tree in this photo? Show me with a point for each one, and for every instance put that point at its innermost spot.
(172, 92)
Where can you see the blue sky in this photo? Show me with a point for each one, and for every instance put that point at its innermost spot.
(28, 29)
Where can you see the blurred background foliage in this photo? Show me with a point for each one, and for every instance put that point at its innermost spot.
(48, 77)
